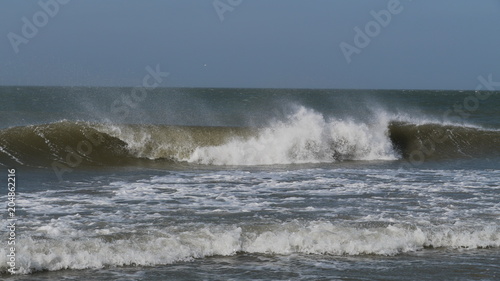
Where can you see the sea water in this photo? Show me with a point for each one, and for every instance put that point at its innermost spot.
(249, 184)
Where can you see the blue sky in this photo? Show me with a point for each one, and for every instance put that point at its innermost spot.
(429, 44)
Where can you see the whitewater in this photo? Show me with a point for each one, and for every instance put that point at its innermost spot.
(259, 184)
(304, 136)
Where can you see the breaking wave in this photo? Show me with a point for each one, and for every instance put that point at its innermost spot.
(48, 250)
(304, 137)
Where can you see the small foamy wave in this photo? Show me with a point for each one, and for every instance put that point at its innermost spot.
(156, 247)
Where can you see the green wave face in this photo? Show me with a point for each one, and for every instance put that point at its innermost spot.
(302, 140)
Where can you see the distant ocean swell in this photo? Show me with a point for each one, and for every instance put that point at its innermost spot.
(52, 250)
(304, 137)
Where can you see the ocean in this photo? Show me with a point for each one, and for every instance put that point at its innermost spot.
(249, 184)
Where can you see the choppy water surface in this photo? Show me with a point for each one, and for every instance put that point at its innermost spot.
(388, 191)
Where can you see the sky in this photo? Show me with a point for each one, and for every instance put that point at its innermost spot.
(341, 44)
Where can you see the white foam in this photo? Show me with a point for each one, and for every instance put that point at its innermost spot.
(166, 246)
(306, 137)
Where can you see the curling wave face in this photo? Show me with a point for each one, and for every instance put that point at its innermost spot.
(304, 137)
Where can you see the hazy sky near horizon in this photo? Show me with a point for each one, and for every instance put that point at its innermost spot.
(426, 44)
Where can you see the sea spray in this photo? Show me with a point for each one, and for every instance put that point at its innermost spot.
(305, 137)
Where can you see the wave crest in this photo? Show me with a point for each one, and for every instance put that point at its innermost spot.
(304, 137)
